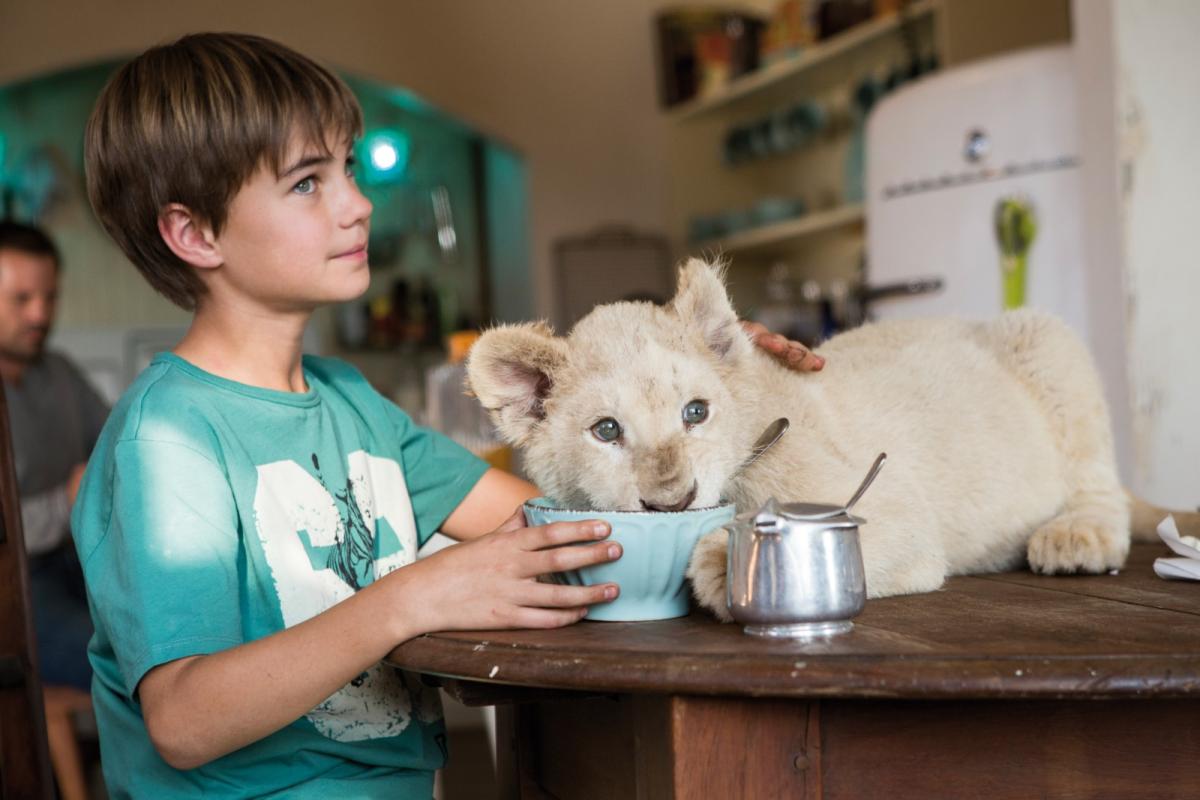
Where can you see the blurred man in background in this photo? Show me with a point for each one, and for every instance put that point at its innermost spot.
(55, 417)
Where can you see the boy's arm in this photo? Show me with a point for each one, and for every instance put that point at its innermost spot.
(488, 505)
(201, 707)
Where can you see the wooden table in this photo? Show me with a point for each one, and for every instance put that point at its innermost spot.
(999, 686)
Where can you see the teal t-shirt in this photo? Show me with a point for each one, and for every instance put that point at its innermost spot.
(215, 513)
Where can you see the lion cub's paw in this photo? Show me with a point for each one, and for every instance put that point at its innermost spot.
(706, 571)
(1077, 543)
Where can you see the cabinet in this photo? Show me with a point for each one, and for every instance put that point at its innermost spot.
(744, 208)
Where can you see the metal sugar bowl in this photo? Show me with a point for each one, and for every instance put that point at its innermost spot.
(795, 570)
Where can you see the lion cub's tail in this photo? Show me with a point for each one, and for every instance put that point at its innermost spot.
(1144, 519)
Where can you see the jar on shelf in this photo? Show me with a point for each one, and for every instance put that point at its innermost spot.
(450, 410)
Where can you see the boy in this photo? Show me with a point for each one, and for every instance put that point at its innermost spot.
(247, 511)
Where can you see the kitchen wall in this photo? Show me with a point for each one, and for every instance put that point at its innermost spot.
(571, 86)
(975, 29)
(1141, 123)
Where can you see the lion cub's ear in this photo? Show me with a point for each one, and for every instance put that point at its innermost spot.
(702, 303)
(511, 370)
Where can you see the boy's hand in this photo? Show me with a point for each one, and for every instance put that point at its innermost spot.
(789, 353)
(491, 582)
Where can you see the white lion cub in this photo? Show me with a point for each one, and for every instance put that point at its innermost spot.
(997, 433)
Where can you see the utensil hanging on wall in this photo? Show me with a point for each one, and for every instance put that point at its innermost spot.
(443, 215)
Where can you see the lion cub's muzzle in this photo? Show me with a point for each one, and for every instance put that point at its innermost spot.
(679, 505)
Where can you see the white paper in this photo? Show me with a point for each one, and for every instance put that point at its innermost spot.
(1187, 566)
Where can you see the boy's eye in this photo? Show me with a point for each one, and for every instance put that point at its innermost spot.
(695, 412)
(607, 430)
(351, 162)
(306, 186)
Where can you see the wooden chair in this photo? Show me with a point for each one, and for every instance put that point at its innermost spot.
(24, 760)
(63, 705)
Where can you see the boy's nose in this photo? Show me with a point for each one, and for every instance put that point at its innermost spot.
(359, 208)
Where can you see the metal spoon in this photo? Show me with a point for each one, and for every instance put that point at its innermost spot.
(769, 437)
(862, 488)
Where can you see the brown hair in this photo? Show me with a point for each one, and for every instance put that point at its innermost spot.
(190, 122)
(27, 239)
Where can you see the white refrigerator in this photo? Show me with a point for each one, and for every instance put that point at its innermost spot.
(974, 204)
(954, 157)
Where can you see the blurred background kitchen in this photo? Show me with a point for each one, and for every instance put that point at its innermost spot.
(853, 159)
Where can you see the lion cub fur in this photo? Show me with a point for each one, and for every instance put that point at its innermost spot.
(997, 434)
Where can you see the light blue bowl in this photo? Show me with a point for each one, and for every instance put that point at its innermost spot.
(657, 546)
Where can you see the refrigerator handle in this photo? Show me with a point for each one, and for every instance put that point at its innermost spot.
(869, 294)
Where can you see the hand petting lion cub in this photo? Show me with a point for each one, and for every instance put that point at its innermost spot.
(996, 432)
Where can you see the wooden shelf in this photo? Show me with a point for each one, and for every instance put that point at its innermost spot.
(760, 79)
(789, 231)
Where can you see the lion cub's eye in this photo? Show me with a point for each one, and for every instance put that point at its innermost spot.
(695, 412)
(607, 430)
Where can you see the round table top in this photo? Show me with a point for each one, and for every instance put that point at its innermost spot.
(1009, 635)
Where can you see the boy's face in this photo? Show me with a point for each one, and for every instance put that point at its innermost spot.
(298, 241)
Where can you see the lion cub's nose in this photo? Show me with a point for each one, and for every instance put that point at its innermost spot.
(683, 502)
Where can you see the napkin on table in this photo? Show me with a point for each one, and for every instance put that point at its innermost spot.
(1187, 566)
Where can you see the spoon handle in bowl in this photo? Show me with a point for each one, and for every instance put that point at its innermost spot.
(862, 488)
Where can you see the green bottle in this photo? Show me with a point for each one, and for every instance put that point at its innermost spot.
(1016, 227)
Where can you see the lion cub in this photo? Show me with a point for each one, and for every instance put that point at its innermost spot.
(997, 434)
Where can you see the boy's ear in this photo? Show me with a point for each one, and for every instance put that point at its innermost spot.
(702, 303)
(189, 237)
(512, 369)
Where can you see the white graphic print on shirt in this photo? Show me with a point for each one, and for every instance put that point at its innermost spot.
(318, 545)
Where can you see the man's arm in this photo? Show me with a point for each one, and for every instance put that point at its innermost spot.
(46, 516)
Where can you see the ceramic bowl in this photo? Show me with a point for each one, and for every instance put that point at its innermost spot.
(657, 546)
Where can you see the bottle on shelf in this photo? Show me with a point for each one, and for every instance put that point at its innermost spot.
(428, 309)
(453, 412)
(381, 331)
(784, 313)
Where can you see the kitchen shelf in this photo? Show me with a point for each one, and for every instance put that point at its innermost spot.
(789, 231)
(764, 77)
